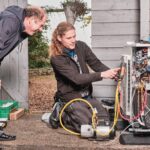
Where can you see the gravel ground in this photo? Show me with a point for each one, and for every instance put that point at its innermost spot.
(41, 92)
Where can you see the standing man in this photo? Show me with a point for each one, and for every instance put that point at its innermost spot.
(16, 24)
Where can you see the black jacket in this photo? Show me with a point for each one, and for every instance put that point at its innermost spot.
(11, 29)
(70, 82)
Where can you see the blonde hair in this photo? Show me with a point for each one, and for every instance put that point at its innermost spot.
(56, 46)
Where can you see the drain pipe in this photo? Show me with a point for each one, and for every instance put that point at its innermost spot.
(144, 20)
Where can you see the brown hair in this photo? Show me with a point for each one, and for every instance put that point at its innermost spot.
(34, 11)
(56, 46)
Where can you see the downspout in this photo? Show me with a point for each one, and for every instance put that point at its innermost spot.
(144, 20)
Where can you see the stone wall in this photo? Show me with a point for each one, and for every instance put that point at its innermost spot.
(40, 71)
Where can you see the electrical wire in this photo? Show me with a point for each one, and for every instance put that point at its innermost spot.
(141, 111)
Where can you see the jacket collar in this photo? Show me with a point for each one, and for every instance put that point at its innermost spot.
(69, 52)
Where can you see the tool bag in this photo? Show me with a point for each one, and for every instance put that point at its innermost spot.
(76, 114)
(73, 116)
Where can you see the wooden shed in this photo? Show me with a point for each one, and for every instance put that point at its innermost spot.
(114, 23)
(14, 68)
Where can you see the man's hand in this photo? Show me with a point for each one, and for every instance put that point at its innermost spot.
(110, 74)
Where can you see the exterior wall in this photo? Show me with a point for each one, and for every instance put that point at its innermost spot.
(114, 22)
(14, 68)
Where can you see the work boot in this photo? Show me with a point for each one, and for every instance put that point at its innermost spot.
(54, 117)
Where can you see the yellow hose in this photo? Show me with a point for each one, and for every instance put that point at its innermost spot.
(93, 115)
(74, 100)
(115, 115)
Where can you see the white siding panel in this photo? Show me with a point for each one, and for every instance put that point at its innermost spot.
(13, 63)
(22, 3)
(104, 91)
(112, 64)
(4, 94)
(2, 5)
(12, 2)
(112, 41)
(23, 72)
(114, 4)
(5, 71)
(110, 53)
(144, 19)
(105, 82)
(115, 29)
(6, 3)
(116, 16)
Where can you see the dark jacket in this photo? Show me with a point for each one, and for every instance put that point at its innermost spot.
(70, 82)
(11, 29)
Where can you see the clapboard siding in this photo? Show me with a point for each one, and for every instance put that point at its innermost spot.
(112, 41)
(2, 6)
(4, 94)
(104, 91)
(14, 68)
(109, 53)
(114, 4)
(112, 64)
(22, 3)
(14, 76)
(6, 3)
(145, 19)
(114, 23)
(105, 82)
(23, 69)
(116, 16)
(5, 71)
(115, 28)
(12, 2)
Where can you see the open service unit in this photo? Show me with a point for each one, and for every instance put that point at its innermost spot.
(134, 93)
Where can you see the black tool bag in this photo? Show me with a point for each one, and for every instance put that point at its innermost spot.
(74, 115)
(77, 114)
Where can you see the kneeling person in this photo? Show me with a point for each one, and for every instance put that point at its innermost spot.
(69, 59)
